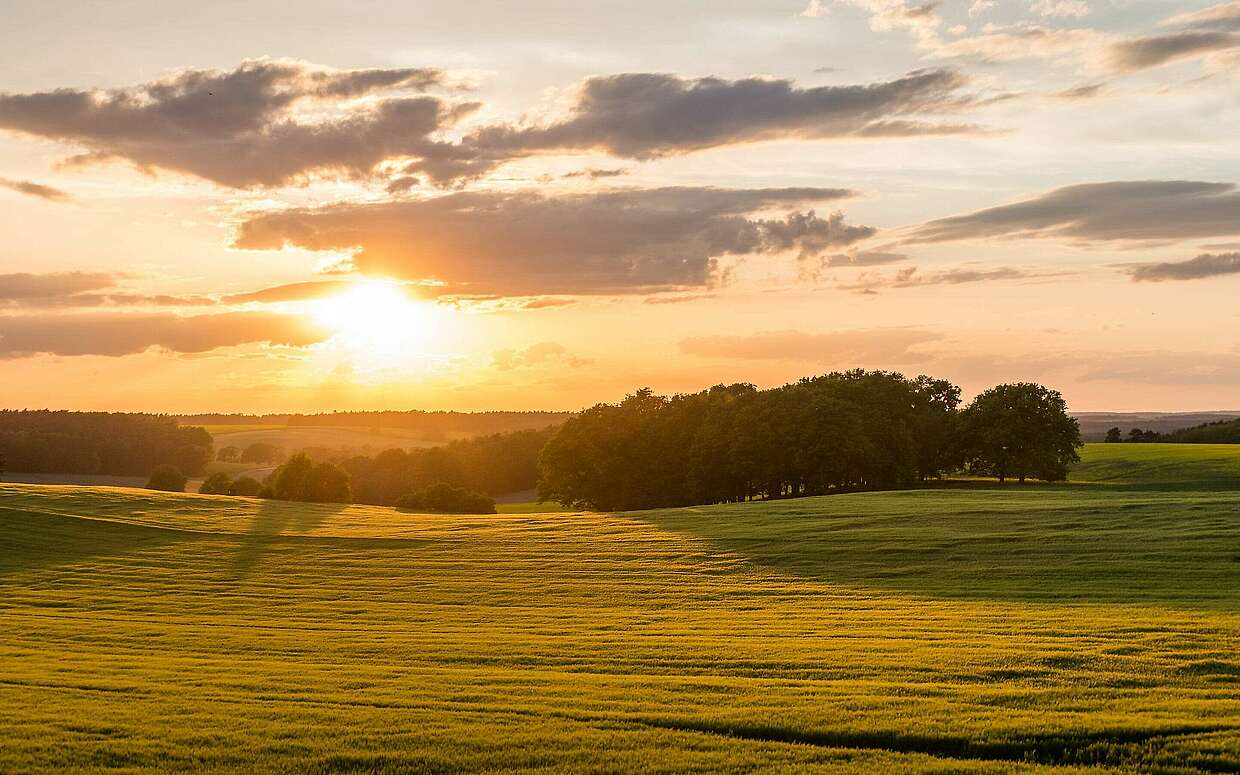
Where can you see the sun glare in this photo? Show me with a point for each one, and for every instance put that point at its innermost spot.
(378, 323)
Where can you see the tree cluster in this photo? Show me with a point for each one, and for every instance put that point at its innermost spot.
(119, 444)
(500, 463)
(221, 483)
(443, 498)
(301, 479)
(844, 431)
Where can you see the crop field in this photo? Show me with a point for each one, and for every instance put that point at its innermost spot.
(1201, 466)
(299, 437)
(1074, 628)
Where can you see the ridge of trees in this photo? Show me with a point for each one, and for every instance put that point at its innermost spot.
(844, 431)
(114, 443)
(1217, 432)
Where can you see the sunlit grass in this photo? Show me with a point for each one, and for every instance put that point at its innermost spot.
(998, 630)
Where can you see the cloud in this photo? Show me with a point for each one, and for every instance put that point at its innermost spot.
(1070, 8)
(549, 302)
(304, 291)
(24, 286)
(522, 244)
(1131, 211)
(36, 189)
(595, 173)
(242, 128)
(117, 334)
(1086, 92)
(1154, 50)
(866, 258)
(880, 345)
(537, 355)
(649, 115)
(912, 277)
(678, 299)
(1224, 16)
(1205, 265)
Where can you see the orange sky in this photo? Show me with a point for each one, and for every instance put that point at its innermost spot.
(423, 207)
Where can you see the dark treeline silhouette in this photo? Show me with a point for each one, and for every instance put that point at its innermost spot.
(844, 431)
(431, 425)
(1218, 432)
(495, 464)
(120, 444)
(443, 498)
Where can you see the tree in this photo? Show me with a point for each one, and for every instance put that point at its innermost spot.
(167, 478)
(1022, 430)
(228, 455)
(260, 452)
(245, 485)
(443, 498)
(217, 483)
(1114, 436)
(301, 479)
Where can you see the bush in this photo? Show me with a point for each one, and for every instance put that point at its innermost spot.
(166, 478)
(247, 486)
(216, 484)
(445, 499)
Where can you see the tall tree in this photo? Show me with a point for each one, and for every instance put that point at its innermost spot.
(1022, 430)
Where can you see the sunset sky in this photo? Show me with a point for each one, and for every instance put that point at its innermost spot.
(265, 206)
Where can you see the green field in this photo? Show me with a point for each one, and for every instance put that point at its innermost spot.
(1199, 466)
(1038, 628)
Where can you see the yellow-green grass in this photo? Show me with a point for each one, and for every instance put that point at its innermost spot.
(1066, 628)
(1214, 466)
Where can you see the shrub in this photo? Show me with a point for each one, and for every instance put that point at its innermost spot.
(166, 478)
(247, 486)
(445, 499)
(217, 483)
(301, 479)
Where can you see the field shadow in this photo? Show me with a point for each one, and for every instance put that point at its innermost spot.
(1054, 544)
(31, 539)
(271, 526)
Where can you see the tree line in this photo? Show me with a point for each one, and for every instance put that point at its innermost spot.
(1218, 432)
(114, 443)
(844, 431)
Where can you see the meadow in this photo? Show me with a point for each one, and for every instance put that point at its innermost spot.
(962, 628)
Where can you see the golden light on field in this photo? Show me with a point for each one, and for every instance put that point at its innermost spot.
(378, 323)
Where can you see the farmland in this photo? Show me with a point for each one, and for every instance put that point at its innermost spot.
(961, 628)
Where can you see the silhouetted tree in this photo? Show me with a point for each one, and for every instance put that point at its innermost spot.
(260, 452)
(245, 485)
(1022, 430)
(301, 479)
(217, 483)
(1114, 436)
(228, 455)
(167, 478)
(443, 498)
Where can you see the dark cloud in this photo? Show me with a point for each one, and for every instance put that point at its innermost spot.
(24, 286)
(873, 346)
(238, 128)
(1087, 92)
(36, 189)
(594, 173)
(539, 354)
(521, 244)
(1135, 211)
(1205, 265)
(116, 334)
(1154, 50)
(647, 115)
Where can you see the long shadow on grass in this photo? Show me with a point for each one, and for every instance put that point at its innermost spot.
(271, 522)
(1055, 544)
(33, 539)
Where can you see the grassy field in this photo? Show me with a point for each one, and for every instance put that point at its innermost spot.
(1042, 629)
(1200, 466)
(296, 437)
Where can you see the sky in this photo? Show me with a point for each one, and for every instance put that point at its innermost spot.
(266, 206)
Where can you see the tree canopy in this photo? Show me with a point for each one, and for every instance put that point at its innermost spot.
(1022, 430)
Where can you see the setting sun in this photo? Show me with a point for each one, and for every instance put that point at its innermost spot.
(377, 321)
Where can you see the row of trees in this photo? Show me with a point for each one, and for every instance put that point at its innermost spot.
(1218, 432)
(119, 444)
(843, 431)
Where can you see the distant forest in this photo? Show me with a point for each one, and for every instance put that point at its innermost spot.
(119, 444)
(431, 425)
(1219, 432)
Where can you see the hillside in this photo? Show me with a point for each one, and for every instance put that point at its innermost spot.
(1206, 466)
(979, 629)
(1094, 425)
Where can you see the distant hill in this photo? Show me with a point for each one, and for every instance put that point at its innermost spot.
(1219, 432)
(428, 426)
(1094, 425)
